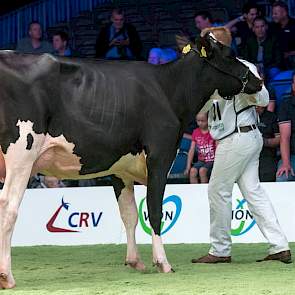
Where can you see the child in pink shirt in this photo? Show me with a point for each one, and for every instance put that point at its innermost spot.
(205, 146)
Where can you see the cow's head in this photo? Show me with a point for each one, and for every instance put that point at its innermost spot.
(231, 76)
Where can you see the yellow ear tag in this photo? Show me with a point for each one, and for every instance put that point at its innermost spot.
(186, 49)
(203, 52)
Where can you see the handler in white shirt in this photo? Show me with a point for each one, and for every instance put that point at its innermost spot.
(233, 123)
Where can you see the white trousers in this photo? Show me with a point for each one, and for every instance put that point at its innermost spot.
(237, 160)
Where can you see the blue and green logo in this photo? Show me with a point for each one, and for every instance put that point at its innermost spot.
(243, 218)
(171, 211)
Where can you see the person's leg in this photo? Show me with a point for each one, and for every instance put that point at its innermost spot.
(203, 175)
(193, 175)
(231, 158)
(194, 172)
(267, 169)
(260, 205)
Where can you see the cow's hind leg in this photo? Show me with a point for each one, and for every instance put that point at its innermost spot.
(125, 195)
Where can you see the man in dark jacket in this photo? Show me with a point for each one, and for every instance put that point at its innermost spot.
(269, 128)
(284, 27)
(118, 40)
(263, 50)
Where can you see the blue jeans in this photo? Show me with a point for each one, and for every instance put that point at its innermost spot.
(284, 177)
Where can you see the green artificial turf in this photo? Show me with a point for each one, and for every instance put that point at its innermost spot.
(100, 270)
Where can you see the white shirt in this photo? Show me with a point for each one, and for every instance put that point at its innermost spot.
(225, 115)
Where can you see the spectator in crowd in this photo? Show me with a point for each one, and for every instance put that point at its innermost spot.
(203, 20)
(60, 43)
(34, 43)
(268, 126)
(158, 56)
(242, 26)
(286, 116)
(40, 181)
(205, 146)
(285, 30)
(118, 40)
(263, 50)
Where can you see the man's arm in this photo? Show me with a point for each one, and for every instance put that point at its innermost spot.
(272, 142)
(190, 158)
(234, 21)
(285, 131)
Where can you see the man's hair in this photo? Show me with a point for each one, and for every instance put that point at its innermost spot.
(204, 14)
(260, 18)
(33, 23)
(63, 35)
(250, 5)
(222, 34)
(281, 4)
(118, 11)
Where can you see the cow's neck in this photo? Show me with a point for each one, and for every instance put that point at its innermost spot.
(186, 92)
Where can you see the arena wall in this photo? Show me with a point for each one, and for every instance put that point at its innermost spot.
(77, 216)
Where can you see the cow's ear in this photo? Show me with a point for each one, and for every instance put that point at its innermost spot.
(204, 47)
(183, 43)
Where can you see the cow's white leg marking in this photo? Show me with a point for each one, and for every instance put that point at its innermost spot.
(19, 162)
(159, 255)
(129, 215)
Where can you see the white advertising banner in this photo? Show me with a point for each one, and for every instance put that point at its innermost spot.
(77, 216)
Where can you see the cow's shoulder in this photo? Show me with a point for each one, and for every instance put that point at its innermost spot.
(27, 67)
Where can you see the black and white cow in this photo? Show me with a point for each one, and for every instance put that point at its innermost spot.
(84, 118)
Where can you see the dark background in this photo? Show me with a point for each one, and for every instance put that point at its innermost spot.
(10, 5)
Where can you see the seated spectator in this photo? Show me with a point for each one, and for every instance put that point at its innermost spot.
(40, 181)
(268, 126)
(34, 43)
(241, 27)
(60, 42)
(263, 50)
(118, 40)
(203, 20)
(286, 116)
(284, 27)
(205, 146)
(158, 56)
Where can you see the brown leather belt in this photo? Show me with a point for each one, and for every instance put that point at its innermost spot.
(245, 128)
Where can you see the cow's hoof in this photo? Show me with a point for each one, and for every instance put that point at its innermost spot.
(6, 282)
(138, 265)
(164, 267)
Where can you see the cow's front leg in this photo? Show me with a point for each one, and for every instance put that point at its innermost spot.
(19, 159)
(125, 195)
(158, 167)
(10, 199)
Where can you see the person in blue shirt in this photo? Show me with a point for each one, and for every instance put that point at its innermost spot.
(60, 42)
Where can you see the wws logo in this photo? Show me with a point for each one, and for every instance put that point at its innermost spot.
(171, 211)
(242, 219)
(73, 221)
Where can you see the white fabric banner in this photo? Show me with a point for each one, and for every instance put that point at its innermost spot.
(77, 216)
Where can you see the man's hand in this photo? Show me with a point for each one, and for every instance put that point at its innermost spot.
(186, 171)
(242, 17)
(285, 168)
(289, 53)
(115, 42)
(125, 42)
